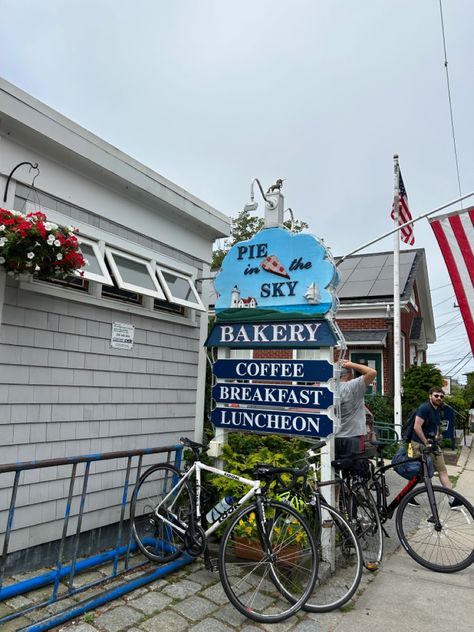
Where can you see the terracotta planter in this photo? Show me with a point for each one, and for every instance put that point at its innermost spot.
(252, 550)
(247, 549)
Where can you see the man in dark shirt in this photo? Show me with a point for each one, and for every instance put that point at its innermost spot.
(427, 427)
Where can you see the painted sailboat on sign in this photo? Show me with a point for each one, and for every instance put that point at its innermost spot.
(312, 294)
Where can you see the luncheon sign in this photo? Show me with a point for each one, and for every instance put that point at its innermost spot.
(275, 291)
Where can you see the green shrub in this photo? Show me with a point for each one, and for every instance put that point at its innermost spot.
(245, 450)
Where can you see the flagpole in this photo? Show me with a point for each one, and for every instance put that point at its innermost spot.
(411, 221)
(397, 401)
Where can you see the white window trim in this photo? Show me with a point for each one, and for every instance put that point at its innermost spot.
(197, 304)
(105, 277)
(42, 287)
(158, 293)
(98, 235)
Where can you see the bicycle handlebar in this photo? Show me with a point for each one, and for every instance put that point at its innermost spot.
(270, 474)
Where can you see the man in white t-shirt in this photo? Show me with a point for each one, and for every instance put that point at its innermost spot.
(350, 438)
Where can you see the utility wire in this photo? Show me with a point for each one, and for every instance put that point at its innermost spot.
(452, 320)
(450, 298)
(449, 98)
(440, 287)
(462, 367)
(469, 353)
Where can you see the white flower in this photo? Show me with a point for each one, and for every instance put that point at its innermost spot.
(50, 226)
(57, 242)
(50, 240)
(30, 255)
(2, 259)
(3, 241)
(37, 268)
(2, 227)
(59, 256)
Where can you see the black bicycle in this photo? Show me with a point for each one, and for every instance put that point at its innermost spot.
(434, 524)
(340, 560)
(357, 503)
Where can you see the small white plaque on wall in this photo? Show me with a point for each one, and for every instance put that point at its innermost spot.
(122, 335)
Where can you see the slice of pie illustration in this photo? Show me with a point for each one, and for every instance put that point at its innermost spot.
(271, 264)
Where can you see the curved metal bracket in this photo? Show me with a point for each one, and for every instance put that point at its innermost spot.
(269, 202)
(20, 164)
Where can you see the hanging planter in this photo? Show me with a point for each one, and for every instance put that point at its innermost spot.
(31, 245)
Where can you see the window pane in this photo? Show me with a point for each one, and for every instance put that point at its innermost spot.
(134, 273)
(92, 263)
(180, 288)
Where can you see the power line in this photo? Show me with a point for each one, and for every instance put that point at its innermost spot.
(461, 368)
(440, 287)
(450, 298)
(449, 99)
(461, 360)
(450, 322)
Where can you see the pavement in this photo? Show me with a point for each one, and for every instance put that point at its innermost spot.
(401, 593)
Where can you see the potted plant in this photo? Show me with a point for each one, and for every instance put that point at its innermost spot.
(287, 539)
(30, 244)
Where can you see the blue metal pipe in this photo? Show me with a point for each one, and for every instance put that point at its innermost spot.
(114, 593)
(48, 578)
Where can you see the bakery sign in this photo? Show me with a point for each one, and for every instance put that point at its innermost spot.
(276, 274)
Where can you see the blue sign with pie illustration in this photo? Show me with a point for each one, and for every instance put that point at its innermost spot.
(276, 274)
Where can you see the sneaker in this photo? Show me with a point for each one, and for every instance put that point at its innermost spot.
(455, 504)
(413, 502)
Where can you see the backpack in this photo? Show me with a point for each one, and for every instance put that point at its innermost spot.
(410, 468)
(408, 425)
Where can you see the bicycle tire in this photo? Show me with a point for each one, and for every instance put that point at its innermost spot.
(448, 550)
(367, 526)
(252, 579)
(339, 568)
(158, 540)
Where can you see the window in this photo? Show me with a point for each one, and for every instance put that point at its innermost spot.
(133, 274)
(179, 288)
(95, 269)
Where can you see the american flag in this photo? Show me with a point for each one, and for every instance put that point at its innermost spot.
(455, 235)
(404, 215)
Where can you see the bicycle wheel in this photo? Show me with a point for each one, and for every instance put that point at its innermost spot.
(367, 526)
(254, 573)
(160, 533)
(340, 562)
(446, 549)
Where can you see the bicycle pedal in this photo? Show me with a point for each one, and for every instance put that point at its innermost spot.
(211, 565)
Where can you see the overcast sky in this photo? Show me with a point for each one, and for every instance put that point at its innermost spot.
(212, 93)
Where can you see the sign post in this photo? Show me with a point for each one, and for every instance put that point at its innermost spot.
(275, 335)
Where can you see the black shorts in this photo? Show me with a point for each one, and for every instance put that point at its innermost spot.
(349, 446)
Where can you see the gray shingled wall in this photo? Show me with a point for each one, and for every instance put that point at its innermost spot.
(64, 391)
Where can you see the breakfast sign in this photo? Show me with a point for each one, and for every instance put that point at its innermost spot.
(275, 291)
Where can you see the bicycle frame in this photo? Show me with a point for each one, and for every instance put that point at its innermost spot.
(196, 470)
(385, 510)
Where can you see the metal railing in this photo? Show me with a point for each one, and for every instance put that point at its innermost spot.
(64, 571)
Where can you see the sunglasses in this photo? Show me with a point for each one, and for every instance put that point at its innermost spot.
(438, 396)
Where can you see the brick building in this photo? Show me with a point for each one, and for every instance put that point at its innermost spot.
(365, 315)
